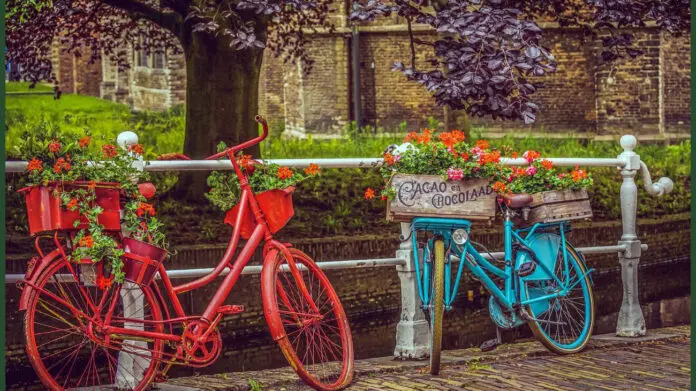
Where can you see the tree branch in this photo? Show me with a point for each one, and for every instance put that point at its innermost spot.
(168, 20)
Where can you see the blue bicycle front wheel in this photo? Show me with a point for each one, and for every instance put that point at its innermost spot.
(564, 323)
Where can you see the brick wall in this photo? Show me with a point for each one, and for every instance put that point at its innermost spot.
(648, 96)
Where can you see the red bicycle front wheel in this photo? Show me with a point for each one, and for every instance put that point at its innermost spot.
(310, 327)
(67, 348)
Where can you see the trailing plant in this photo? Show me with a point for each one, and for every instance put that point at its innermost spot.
(540, 175)
(224, 185)
(61, 160)
(447, 155)
(451, 157)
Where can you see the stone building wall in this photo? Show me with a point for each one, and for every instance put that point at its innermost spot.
(648, 96)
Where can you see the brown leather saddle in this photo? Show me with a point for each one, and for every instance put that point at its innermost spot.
(517, 201)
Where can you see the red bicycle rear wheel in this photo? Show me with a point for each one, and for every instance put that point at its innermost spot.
(66, 347)
(311, 328)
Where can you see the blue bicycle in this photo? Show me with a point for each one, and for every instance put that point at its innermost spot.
(544, 281)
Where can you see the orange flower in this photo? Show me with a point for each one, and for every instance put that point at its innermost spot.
(313, 169)
(514, 155)
(242, 160)
(109, 151)
(411, 136)
(389, 159)
(54, 146)
(284, 173)
(84, 142)
(547, 164)
(521, 172)
(145, 209)
(483, 144)
(499, 187)
(137, 148)
(451, 138)
(578, 174)
(87, 241)
(458, 136)
(369, 194)
(491, 157)
(531, 155)
(464, 156)
(72, 205)
(35, 165)
(92, 185)
(425, 138)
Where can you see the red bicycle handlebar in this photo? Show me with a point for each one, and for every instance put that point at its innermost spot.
(245, 144)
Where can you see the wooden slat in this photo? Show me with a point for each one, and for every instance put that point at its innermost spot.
(432, 196)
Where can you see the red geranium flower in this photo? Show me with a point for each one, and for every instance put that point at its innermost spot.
(137, 148)
(35, 165)
(369, 194)
(547, 164)
(313, 169)
(72, 205)
(87, 241)
(284, 173)
(145, 209)
(54, 146)
(84, 142)
(389, 159)
(109, 151)
(104, 283)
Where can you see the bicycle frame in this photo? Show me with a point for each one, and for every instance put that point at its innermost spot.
(481, 268)
(212, 313)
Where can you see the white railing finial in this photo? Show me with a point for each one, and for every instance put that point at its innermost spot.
(126, 139)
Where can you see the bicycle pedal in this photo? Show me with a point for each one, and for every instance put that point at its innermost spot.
(490, 345)
(230, 309)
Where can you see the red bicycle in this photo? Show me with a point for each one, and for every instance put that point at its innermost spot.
(79, 335)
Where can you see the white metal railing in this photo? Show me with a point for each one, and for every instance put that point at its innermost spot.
(412, 338)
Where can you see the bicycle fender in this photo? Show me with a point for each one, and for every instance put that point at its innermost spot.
(33, 274)
(545, 246)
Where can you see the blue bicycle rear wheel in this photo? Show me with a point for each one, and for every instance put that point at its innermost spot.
(564, 323)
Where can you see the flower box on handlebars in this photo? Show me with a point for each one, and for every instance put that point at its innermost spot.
(276, 206)
(432, 196)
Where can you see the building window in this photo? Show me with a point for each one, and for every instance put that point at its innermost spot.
(156, 59)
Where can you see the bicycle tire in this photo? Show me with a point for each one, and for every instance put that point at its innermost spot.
(544, 332)
(301, 329)
(44, 316)
(437, 308)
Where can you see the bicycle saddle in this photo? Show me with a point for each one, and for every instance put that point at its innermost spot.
(516, 201)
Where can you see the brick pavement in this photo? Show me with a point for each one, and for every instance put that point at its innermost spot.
(660, 361)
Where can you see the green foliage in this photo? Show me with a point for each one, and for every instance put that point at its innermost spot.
(224, 185)
(329, 204)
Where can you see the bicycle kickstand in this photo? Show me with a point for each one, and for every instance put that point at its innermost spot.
(491, 344)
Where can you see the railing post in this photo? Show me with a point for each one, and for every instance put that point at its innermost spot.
(131, 366)
(631, 322)
(413, 331)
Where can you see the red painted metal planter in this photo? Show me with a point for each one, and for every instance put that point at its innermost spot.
(45, 213)
(141, 260)
(276, 206)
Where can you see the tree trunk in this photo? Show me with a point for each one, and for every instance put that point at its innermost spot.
(222, 94)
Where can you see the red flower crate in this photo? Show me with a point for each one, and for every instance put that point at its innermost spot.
(141, 260)
(45, 213)
(276, 206)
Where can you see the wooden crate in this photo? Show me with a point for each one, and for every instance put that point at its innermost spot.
(557, 205)
(432, 196)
